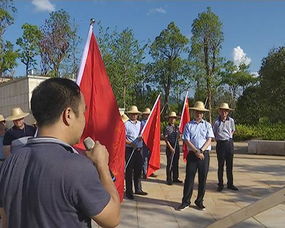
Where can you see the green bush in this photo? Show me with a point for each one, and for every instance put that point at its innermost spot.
(260, 131)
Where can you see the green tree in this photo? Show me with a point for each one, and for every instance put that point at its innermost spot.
(237, 79)
(206, 43)
(55, 45)
(7, 57)
(249, 108)
(272, 84)
(29, 44)
(169, 69)
(7, 10)
(123, 56)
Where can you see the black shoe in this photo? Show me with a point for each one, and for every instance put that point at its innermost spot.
(130, 196)
(182, 207)
(142, 193)
(153, 175)
(143, 176)
(232, 187)
(220, 188)
(200, 206)
(169, 182)
(177, 181)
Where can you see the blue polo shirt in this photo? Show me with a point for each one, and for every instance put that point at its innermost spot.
(198, 133)
(133, 129)
(45, 184)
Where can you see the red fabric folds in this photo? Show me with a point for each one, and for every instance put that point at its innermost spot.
(103, 121)
(151, 137)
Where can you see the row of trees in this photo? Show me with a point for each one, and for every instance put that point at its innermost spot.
(171, 63)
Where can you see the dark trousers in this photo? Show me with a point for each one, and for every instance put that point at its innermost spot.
(133, 170)
(225, 152)
(172, 172)
(194, 164)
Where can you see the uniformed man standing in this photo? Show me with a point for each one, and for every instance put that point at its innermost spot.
(134, 160)
(197, 135)
(224, 128)
(171, 137)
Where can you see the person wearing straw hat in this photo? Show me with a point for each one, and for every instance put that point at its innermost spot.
(19, 130)
(171, 137)
(197, 135)
(2, 133)
(134, 160)
(224, 128)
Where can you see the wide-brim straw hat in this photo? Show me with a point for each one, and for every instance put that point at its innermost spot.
(146, 111)
(225, 106)
(199, 106)
(2, 118)
(125, 118)
(172, 115)
(16, 114)
(133, 110)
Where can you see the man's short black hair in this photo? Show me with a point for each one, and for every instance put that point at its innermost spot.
(51, 97)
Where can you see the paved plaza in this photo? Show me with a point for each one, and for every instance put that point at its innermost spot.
(256, 176)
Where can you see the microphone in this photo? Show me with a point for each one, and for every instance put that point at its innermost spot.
(89, 145)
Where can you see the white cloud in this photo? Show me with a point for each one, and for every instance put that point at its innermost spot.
(43, 5)
(239, 56)
(159, 10)
(255, 74)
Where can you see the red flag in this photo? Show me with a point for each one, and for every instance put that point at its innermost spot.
(103, 120)
(185, 118)
(151, 137)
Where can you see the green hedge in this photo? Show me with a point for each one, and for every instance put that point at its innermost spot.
(260, 131)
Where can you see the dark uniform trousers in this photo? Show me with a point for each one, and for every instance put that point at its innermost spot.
(133, 170)
(225, 152)
(173, 173)
(194, 164)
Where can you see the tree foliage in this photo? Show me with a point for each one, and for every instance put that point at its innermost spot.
(236, 79)
(123, 57)
(169, 71)
(272, 84)
(55, 45)
(206, 43)
(7, 57)
(7, 10)
(29, 44)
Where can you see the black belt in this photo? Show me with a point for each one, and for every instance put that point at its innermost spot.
(223, 141)
(204, 152)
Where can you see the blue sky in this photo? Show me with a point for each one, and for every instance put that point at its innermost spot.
(251, 28)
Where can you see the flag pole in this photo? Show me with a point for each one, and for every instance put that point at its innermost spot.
(129, 159)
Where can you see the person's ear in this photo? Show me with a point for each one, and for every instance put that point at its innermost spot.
(67, 116)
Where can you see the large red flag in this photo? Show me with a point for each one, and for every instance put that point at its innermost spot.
(103, 121)
(185, 118)
(151, 137)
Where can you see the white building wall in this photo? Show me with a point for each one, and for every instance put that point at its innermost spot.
(18, 93)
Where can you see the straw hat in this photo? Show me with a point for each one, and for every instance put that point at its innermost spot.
(125, 118)
(225, 106)
(172, 115)
(146, 111)
(199, 106)
(2, 118)
(17, 113)
(133, 110)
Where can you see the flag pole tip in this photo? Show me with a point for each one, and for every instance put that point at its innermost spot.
(92, 21)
